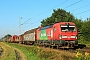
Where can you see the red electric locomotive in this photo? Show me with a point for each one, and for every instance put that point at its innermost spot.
(62, 34)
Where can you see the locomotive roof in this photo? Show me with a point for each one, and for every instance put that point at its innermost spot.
(46, 27)
(64, 23)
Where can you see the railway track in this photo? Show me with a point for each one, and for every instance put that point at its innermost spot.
(86, 49)
(81, 47)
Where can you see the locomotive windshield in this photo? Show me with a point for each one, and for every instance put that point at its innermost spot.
(68, 28)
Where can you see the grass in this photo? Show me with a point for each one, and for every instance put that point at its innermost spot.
(24, 49)
(87, 43)
(40, 53)
(8, 53)
(82, 55)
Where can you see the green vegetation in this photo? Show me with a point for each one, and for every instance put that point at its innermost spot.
(82, 55)
(8, 53)
(58, 15)
(84, 34)
(5, 38)
(25, 50)
(37, 53)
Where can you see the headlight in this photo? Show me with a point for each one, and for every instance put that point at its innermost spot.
(73, 36)
(64, 36)
(60, 37)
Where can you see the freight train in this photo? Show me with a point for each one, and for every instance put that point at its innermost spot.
(61, 34)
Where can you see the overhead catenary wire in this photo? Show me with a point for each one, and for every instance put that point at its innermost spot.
(26, 21)
(59, 5)
(51, 8)
(73, 4)
(75, 14)
(45, 11)
(67, 6)
(81, 7)
(82, 12)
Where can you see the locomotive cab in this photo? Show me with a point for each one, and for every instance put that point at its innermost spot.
(66, 34)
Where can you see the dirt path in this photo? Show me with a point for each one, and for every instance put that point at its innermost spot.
(19, 54)
(1, 51)
(11, 53)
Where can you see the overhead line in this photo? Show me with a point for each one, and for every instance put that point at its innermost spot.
(60, 4)
(73, 4)
(26, 21)
(81, 7)
(52, 8)
(47, 11)
(68, 7)
(82, 12)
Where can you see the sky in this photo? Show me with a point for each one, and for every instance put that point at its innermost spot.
(23, 15)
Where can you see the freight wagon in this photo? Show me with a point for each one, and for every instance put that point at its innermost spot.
(29, 37)
(21, 38)
(14, 39)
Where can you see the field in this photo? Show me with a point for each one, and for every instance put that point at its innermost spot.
(10, 53)
(40, 53)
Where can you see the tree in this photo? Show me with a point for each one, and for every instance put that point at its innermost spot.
(58, 15)
(86, 29)
(6, 37)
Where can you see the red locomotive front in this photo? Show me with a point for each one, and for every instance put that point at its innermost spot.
(59, 34)
(66, 33)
